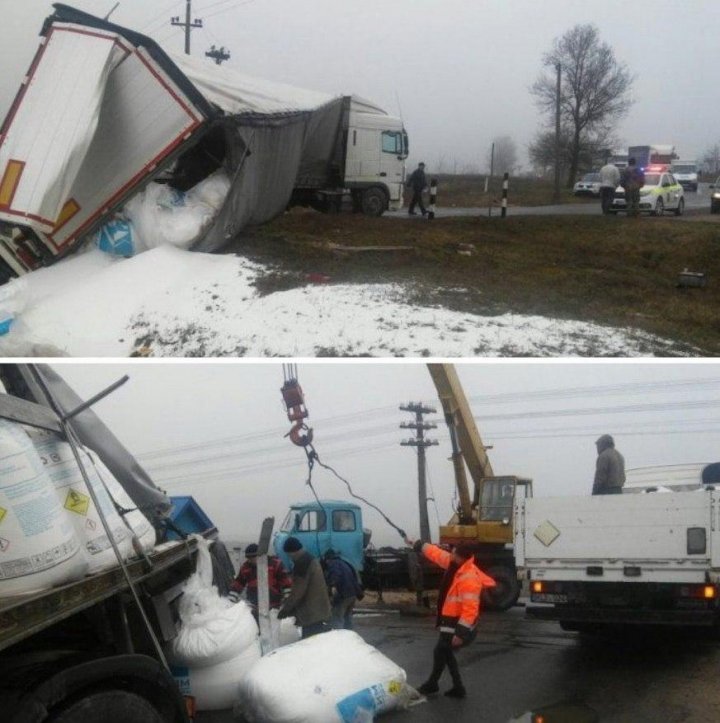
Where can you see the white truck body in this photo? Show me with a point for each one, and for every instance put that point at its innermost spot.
(686, 174)
(650, 557)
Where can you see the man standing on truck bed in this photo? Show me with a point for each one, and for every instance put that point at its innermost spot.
(609, 468)
(417, 182)
(279, 581)
(458, 611)
(308, 600)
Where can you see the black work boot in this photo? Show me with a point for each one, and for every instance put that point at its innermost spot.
(428, 687)
(457, 691)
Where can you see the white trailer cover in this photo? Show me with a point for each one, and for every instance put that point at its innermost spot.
(95, 116)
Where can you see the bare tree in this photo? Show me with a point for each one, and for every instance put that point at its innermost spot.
(505, 155)
(592, 154)
(711, 159)
(594, 91)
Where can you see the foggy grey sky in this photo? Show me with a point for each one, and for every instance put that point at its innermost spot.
(353, 408)
(461, 68)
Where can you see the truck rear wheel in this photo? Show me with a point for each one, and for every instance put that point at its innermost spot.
(374, 202)
(506, 591)
(109, 706)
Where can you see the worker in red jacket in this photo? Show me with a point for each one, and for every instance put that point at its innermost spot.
(458, 611)
(279, 581)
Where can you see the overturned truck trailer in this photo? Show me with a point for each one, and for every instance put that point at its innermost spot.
(103, 111)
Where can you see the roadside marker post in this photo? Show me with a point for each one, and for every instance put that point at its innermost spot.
(433, 199)
(266, 638)
(503, 212)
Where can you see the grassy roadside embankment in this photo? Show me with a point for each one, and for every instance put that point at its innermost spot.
(617, 271)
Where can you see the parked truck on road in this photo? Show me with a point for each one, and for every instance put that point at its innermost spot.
(650, 556)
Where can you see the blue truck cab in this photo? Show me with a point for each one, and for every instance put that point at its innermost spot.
(332, 524)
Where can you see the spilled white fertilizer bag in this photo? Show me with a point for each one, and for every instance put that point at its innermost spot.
(334, 676)
(38, 544)
(217, 642)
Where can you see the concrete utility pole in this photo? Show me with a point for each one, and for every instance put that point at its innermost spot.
(558, 68)
(218, 54)
(187, 24)
(419, 410)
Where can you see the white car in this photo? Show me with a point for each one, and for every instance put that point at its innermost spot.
(660, 193)
(589, 185)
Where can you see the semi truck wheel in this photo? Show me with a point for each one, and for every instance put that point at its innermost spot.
(109, 706)
(374, 202)
(506, 591)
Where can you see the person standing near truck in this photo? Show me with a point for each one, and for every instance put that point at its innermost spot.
(308, 600)
(342, 580)
(279, 580)
(418, 183)
(609, 468)
(632, 180)
(609, 181)
(458, 611)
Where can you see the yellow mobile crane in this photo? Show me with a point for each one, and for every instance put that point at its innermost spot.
(485, 518)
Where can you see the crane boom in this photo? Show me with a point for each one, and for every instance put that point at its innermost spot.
(464, 435)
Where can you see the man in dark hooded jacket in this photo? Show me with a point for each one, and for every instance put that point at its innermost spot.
(345, 588)
(418, 182)
(609, 468)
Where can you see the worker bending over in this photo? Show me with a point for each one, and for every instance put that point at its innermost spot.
(458, 611)
(279, 581)
(308, 600)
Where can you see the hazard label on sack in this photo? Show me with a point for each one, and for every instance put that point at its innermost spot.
(77, 502)
(4, 544)
(3, 512)
(90, 524)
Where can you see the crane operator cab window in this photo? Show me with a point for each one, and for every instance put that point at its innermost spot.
(310, 521)
(497, 500)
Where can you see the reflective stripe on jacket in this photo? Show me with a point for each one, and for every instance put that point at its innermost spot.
(461, 607)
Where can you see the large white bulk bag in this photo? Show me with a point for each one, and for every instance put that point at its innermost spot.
(38, 544)
(141, 526)
(334, 676)
(217, 642)
(64, 472)
(215, 687)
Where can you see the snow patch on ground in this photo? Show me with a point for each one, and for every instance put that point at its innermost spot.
(170, 302)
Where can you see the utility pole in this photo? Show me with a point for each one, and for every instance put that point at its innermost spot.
(187, 24)
(419, 425)
(218, 54)
(558, 69)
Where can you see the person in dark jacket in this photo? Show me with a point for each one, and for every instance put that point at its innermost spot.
(609, 468)
(308, 600)
(632, 180)
(279, 580)
(417, 182)
(342, 580)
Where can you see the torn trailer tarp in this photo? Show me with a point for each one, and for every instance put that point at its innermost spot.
(104, 111)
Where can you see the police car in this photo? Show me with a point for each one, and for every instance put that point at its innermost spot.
(715, 197)
(589, 185)
(660, 193)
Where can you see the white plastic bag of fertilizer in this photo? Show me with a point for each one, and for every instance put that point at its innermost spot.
(334, 676)
(141, 526)
(283, 632)
(215, 687)
(63, 470)
(217, 643)
(38, 544)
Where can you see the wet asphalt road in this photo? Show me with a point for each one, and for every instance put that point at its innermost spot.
(518, 665)
(695, 203)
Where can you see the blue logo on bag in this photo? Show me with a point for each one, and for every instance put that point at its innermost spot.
(357, 706)
(116, 238)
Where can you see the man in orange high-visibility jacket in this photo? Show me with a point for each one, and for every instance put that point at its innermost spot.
(458, 611)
